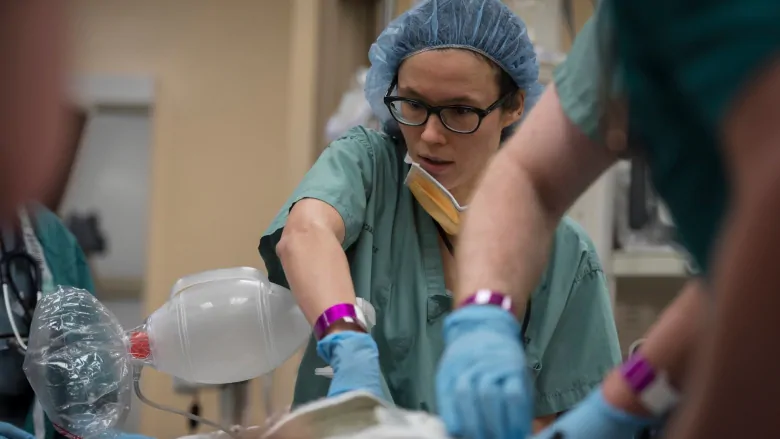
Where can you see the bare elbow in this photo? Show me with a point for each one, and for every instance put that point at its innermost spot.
(294, 237)
(308, 226)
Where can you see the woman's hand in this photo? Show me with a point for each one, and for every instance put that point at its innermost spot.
(354, 357)
(482, 386)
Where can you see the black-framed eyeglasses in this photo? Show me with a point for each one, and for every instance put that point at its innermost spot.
(461, 119)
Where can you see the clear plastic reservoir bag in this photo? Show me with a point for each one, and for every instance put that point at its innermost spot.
(218, 327)
(215, 329)
(77, 363)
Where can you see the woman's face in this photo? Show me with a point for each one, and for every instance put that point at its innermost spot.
(453, 77)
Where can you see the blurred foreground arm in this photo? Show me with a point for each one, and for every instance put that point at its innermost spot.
(614, 411)
(31, 108)
(668, 346)
(726, 399)
(531, 183)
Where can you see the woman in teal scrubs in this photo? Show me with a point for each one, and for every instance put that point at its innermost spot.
(449, 80)
(695, 88)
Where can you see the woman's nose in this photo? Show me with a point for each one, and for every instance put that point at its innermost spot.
(434, 130)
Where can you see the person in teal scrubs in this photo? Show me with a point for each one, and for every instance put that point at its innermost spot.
(31, 118)
(39, 233)
(448, 80)
(63, 263)
(695, 88)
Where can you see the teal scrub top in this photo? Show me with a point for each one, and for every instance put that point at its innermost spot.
(578, 80)
(394, 256)
(681, 65)
(68, 266)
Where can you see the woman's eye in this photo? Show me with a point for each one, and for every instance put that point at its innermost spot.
(462, 111)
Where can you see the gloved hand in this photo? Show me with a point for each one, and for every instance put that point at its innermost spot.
(594, 417)
(131, 436)
(9, 431)
(354, 358)
(117, 434)
(483, 389)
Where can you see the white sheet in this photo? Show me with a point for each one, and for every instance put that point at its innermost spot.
(356, 415)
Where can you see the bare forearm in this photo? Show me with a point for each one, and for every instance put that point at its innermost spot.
(668, 346)
(317, 270)
(506, 243)
(529, 185)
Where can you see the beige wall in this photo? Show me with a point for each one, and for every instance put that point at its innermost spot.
(581, 12)
(346, 32)
(222, 156)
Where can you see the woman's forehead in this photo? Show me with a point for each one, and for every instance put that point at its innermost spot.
(452, 76)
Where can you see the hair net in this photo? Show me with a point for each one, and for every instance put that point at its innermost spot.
(487, 27)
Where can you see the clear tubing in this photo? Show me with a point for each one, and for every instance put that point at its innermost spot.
(137, 386)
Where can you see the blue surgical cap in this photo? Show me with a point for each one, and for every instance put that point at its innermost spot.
(487, 27)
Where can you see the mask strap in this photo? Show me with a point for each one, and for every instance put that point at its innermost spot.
(444, 238)
(137, 368)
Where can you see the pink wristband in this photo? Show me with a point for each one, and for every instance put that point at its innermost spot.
(489, 297)
(651, 387)
(341, 312)
(638, 373)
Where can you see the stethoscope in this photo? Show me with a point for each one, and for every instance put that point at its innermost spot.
(13, 263)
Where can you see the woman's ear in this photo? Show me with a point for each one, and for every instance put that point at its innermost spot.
(514, 115)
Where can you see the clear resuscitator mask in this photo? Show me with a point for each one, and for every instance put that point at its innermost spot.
(219, 326)
(440, 204)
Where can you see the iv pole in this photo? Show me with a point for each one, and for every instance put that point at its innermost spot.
(234, 400)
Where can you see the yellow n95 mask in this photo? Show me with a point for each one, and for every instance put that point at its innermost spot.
(434, 198)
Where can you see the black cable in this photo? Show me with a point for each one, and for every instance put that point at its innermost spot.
(195, 410)
(6, 267)
(34, 271)
(28, 305)
(444, 238)
(638, 194)
(568, 16)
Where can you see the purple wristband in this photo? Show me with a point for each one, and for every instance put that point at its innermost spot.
(638, 373)
(489, 297)
(340, 312)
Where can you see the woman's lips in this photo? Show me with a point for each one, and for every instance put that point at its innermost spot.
(435, 167)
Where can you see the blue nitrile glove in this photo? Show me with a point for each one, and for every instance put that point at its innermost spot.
(483, 389)
(354, 358)
(9, 431)
(117, 434)
(594, 417)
